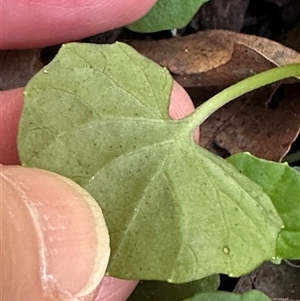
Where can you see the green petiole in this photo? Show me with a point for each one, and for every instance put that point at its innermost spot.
(238, 89)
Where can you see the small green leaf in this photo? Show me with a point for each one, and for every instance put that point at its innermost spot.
(282, 183)
(297, 168)
(252, 295)
(99, 115)
(167, 14)
(164, 291)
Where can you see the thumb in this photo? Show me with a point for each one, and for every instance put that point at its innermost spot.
(54, 243)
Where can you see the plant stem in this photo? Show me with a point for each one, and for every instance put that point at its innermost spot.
(238, 89)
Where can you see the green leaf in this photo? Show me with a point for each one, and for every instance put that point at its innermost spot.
(99, 115)
(167, 14)
(252, 295)
(297, 168)
(164, 291)
(282, 183)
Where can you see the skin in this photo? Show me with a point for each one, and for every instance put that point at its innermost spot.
(24, 27)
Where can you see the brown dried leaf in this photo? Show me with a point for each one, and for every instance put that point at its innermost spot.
(263, 122)
(186, 55)
(276, 281)
(190, 56)
(18, 66)
(272, 51)
(244, 62)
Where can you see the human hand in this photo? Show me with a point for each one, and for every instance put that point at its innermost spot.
(52, 22)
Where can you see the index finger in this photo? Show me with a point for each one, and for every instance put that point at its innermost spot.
(37, 23)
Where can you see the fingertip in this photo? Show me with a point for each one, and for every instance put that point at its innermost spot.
(11, 105)
(113, 289)
(29, 24)
(181, 104)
